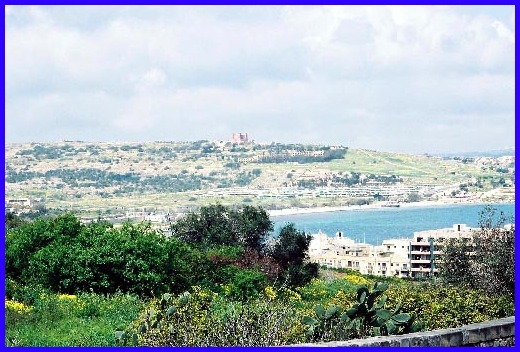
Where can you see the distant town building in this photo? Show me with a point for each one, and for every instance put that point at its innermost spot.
(21, 202)
(154, 217)
(239, 138)
(22, 205)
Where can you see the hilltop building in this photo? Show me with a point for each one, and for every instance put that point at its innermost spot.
(239, 138)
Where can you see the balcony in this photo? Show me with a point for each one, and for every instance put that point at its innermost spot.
(424, 270)
(415, 246)
(420, 252)
(421, 261)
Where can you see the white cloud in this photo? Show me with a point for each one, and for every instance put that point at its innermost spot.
(294, 73)
(503, 31)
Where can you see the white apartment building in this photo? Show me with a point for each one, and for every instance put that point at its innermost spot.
(423, 248)
(389, 259)
(394, 257)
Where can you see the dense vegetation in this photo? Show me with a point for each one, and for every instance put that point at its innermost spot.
(220, 278)
(130, 181)
(487, 260)
(217, 247)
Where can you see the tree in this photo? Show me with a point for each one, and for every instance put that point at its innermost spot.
(253, 227)
(413, 197)
(487, 260)
(63, 255)
(211, 226)
(455, 262)
(22, 242)
(291, 246)
(290, 251)
(12, 221)
(217, 225)
(494, 261)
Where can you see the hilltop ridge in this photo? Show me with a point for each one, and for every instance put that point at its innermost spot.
(109, 178)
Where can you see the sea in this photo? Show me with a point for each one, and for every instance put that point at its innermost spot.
(374, 225)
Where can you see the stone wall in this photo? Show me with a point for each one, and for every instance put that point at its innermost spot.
(500, 332)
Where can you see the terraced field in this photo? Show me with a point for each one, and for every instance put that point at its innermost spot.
(109, 178)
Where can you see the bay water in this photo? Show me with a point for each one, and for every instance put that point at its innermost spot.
(374, 225)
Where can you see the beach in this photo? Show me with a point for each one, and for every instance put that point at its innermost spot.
(376, 205)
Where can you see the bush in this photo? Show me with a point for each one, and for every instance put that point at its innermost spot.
(321, 291)
(370, 315)
(202, 318)
(441, 307)
(63, 255)
(246, 284)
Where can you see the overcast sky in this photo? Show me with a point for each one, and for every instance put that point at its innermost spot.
(412, 79)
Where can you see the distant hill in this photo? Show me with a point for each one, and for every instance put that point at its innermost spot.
(118, 178)
(490, 154)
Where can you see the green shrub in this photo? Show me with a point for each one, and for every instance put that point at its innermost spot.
(321, 291)
(370, 315)
(441, 307)
(246, 284)
(63, 255)
(203, 318)
(26, 294)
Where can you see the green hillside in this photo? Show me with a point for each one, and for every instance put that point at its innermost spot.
(112, 178)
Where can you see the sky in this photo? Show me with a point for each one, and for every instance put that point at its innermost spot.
(408, 79)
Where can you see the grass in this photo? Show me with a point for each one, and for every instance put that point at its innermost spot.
(60, 320)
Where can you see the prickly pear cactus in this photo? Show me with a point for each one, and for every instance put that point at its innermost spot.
(368, 316)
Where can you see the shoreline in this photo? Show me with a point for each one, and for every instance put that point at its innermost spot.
(377, 205)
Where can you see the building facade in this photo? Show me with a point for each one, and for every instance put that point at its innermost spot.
(394, 257)
(239, 138)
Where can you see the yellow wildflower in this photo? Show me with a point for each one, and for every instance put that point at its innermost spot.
(70, 297)
(18, 307)
(270, 292)
(357, 280)
(291, 295)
